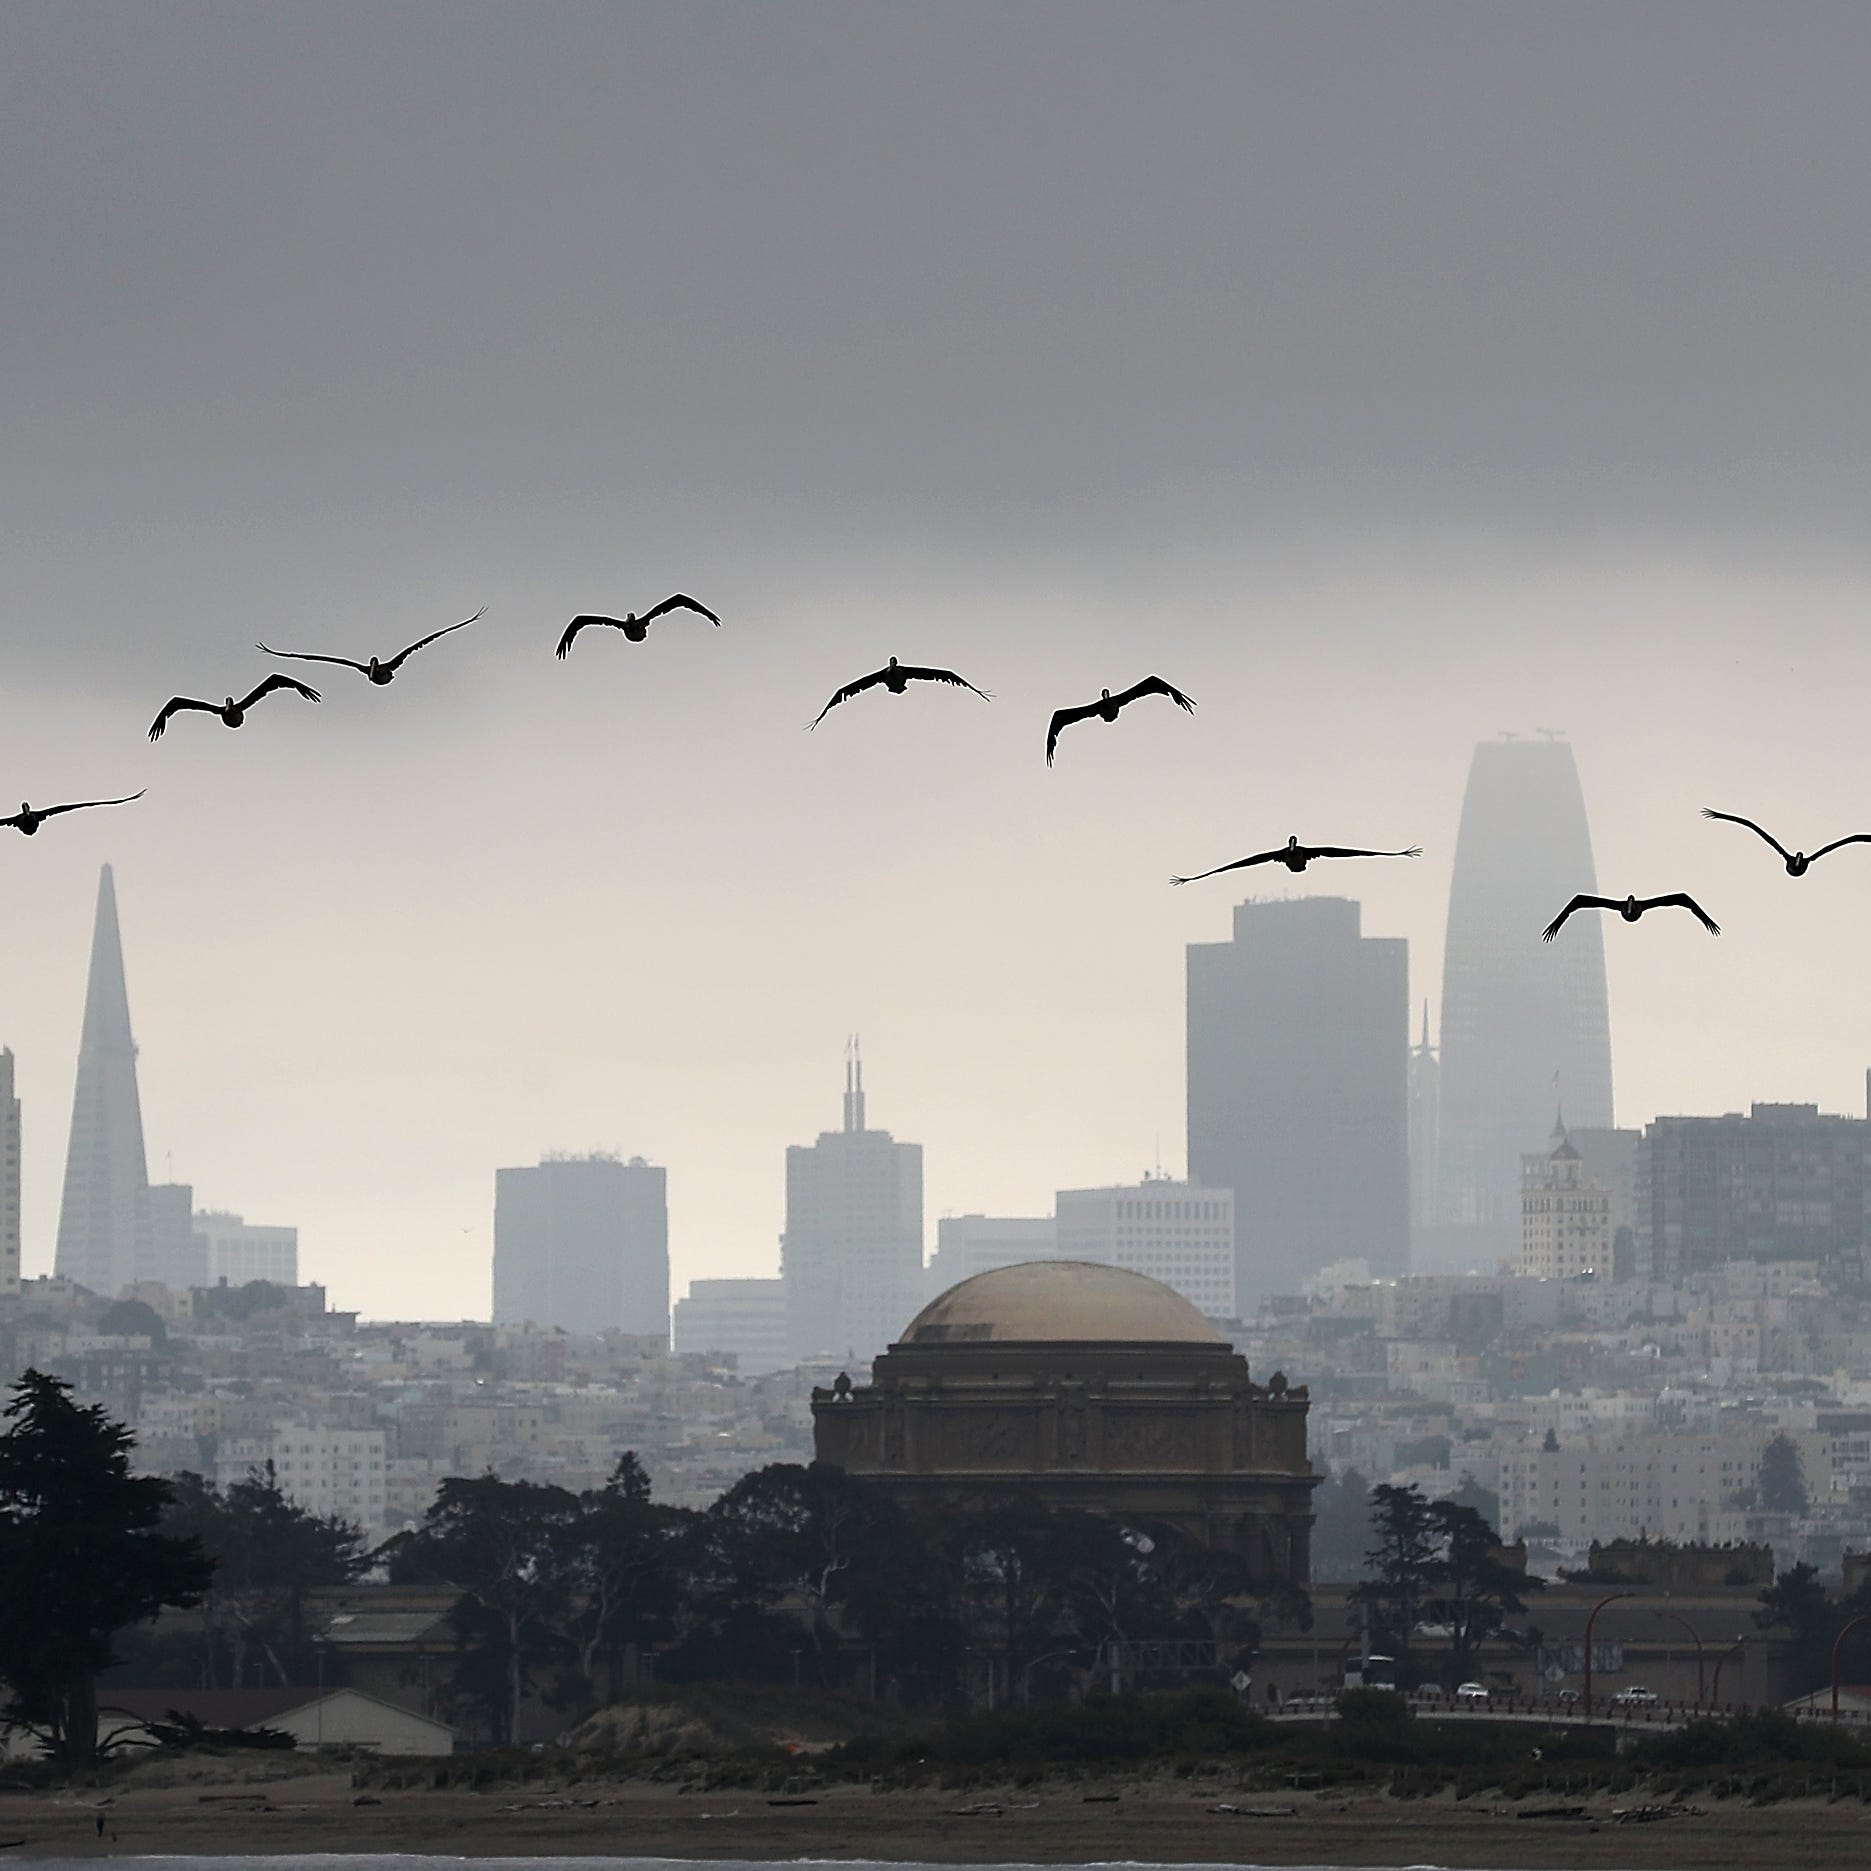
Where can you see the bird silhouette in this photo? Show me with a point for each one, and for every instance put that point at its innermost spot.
(232, 712)
(28, 819)
(896, 677)
(1296, 857)
(1632, 908)
(379, 670)
(636, 628)
(1107, 705)
(1798, 862)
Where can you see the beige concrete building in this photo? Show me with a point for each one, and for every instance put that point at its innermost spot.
(1176, 1232)
(1091, 1388)
(1565, 1215)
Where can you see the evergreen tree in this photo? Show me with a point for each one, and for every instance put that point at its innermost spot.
(1781, 1481)
(1403, 1561)
(81, 1557)
(1479, 1590)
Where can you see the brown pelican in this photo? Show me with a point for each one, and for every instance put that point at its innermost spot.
(378, 670)
(1798, 863)
(1107, 705)
(896, 677)
(1632, 908)
(636, 628)
(28, 819)
(232, 712)
(1296, 857)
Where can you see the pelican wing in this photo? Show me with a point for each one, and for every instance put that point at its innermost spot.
(397, 661)
(312, 656)
(1239, 864)
(81, 805)
(680, 601)
(1857, 838)
(174, 706)
(579, 623)
(272, 684)
(845, 694)
(1063, 718)
(1681, 899)
(1347, 851)
(1577, 903)
(941, 675)
(1732, 818)
(1154, 685)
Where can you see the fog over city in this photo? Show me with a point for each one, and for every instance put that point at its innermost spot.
(1384, 378)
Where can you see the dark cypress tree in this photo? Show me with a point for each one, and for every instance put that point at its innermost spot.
(81, 1557)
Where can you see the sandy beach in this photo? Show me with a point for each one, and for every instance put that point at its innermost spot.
(1071, 1823)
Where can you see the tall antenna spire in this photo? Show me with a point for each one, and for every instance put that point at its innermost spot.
(854, 1087)
(1425, 1022)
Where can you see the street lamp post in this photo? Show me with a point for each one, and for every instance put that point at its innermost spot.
(1591, 1618)
(1837, 1642)
(1676, 1617)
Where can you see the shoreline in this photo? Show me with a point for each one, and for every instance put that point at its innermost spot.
(1117, 1820)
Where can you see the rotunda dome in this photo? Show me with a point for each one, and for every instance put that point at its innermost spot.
(1060, 1301)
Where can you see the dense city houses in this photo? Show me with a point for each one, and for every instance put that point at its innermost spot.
(1481, 1285)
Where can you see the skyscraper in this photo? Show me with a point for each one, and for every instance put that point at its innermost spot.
(1524, 1022)
(852, 1253)
(9, 1177)
(103, 1217)
(582, 1242)
(1298, 1036)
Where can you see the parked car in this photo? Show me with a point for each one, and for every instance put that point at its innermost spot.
(1636, 1696)
(1471, 1692)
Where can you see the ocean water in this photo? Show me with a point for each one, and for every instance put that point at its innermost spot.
(441, 1861)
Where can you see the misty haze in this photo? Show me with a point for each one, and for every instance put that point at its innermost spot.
(750, 552)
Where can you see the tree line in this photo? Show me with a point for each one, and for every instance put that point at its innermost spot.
(796, 1574)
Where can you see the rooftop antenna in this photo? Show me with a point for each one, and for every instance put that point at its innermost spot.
(1551, 734)
(854, 1085)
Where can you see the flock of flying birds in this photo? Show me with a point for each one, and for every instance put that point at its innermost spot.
(895, 677)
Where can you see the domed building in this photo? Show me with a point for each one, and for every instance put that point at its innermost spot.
(1091, 1387)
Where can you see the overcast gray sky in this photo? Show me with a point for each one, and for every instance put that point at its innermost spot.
(1385, 376)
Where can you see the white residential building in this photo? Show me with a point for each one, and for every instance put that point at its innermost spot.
(1176, 1232)
(742, 1319)
(238, 1251)
(324, 1470)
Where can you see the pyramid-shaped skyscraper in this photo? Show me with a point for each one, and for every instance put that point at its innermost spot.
(104, 1216)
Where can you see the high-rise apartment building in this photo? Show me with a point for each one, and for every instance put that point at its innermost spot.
(1523, 1021)
(173, 1252)
(1565, 1215)
(852, 1253)
(971, 1244)
(9, 1176)
(236, 1251)
(582, 1242)
(103, 1218)
(1298, 1036)
(1176, 1232)
(1782, 1183)
(741, 1319)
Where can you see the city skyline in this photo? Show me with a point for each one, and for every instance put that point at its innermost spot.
(1281, 355)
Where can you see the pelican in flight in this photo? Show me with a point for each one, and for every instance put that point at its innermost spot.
(1107, 705)
(28, 819)
(636, 628)
(1296, 857)
(1798, 863)
(896, 677)
(378, 670)
(232, 712)
(1632, 908)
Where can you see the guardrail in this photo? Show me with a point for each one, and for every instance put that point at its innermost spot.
(1605, 1712)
